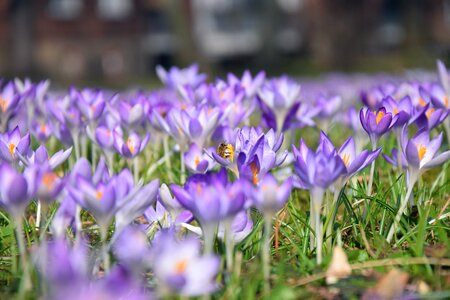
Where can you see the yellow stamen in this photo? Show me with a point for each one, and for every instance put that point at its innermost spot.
(430, 112)
(379, 115)
(98, 195)
(421, 150)
(43, 128)
(12, 147)
(395, 111)
(181, 266)
(199, 188)
(183, 106)
(254, 169)
(197, 161)
(130, 145)
(3, 104)
(346, 159)
(48, 180)
(422, 102)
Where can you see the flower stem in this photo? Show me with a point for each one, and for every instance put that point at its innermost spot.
(317, 199)
(104, 236)
(411, 182)
(265, 252)
(136, 169)
(372, 171)
(208, 237)
(182, 168)
(229, 245)
(26, 280)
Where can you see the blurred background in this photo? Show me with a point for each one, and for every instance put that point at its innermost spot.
(118, 42)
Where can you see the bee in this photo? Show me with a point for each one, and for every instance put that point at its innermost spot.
(225, 150)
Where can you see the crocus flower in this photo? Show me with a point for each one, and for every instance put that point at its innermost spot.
(420, 154)
(316, 172)
(269, 196)
(12, 143)
(133, 145)
(251, 152)
(211, 198)
(180, 268)
(196, 161)
(90, 103)
(176, 77)
(9, 100)
(279, 102)
(133, 249)
(16, 189)
(251, 85)
(42, 158)
(376, 123)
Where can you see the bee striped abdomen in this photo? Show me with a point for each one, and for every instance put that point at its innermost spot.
(226, 151)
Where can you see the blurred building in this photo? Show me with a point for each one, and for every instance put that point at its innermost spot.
(115, 39)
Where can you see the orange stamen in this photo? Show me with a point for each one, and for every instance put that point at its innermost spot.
(421, 150)
(430, 112)
(197, 160)
(254, 169)
(98, 195)
(395, 111)
(422, 102)
(181, 266)
(446, 101)
(12, 147)
(43, 128)
(130, 145)
(346, 159)
(379, 115)
(3, 104)
(48, 180)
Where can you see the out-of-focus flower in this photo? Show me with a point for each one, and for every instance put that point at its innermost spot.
(177, 77)
(180, 268)
(133, 145)
(16, 189)
(251, 85)
(133, 249)
(12, 143)
(279, 102)
(269, 196)
(196, 161)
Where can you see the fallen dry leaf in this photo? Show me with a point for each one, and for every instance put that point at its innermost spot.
(390, 286)
(339, 267)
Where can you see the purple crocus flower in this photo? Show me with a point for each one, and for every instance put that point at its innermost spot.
(211, 198)
(196, 161)
(251, 85)
(241, 227)
(16, 189)
(159, 216)
(133, 249)
(269, 196)
(133, 145)
(377, 123)
(12, 143)
(420, 154)
(90, 103)
(42, 130)
(354, 162)
(176, 77)
(279, 102)
(9, 100)
(191, 124)
(251, 153)
(316, 172)
(41, 157)
(180, 268)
